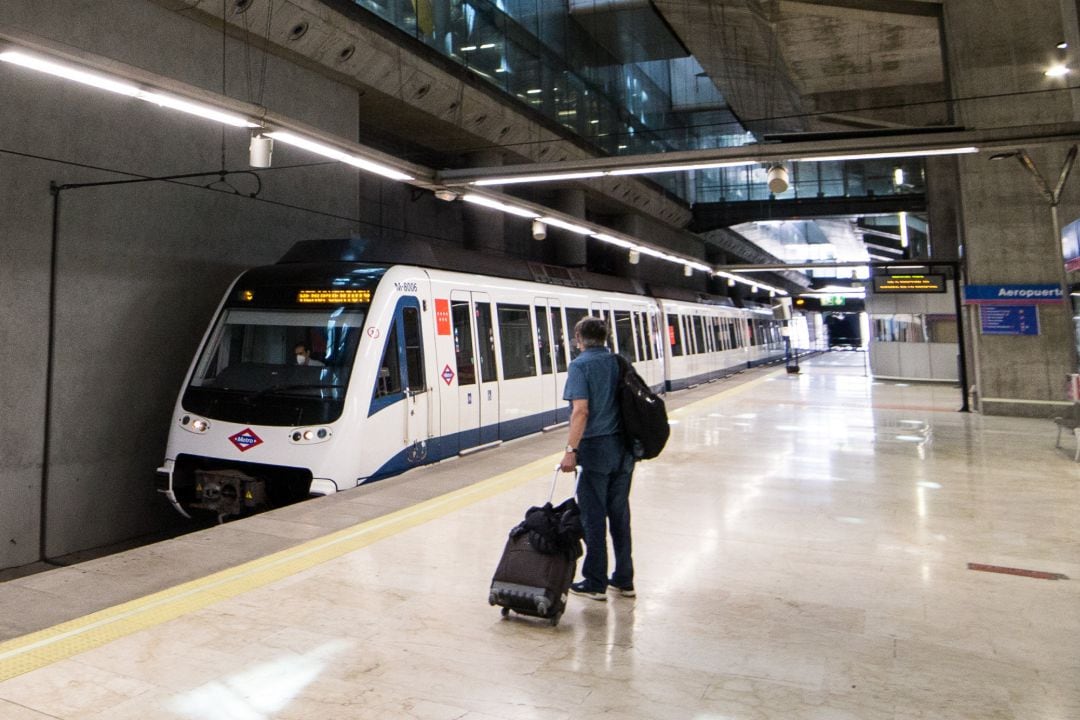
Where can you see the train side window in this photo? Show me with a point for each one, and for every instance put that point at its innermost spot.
(687, 335)
(414, 350)
(733, 336)
(624, 335)
(485, 337)
(543, 339)
(516, 340)
(560, 339)
(573, 315)
(675, 335)
(699, 333)
(463, 342)
(389, 379)
(643, 334)
(718, 333)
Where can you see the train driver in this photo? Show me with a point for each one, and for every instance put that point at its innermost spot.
(303, 356)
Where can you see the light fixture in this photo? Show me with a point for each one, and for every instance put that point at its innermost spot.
(731, 282)
(678, 168)
(260, 150)
(334, 154)
(904, 240)
(446, 195)
(536, 178)
(612, 240)
(892, 154)
(539, 230)
(898, 176)
(103, 82)
(687, 270)
(556, 222)
(753, 289)
(496, 205)
(777, 177)
(1056, 70)
(634, 257)
(1062, 45)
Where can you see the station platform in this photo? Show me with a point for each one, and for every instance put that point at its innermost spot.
(811, 546)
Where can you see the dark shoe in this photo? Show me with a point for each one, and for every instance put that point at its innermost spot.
(624, 590)
(580, 588)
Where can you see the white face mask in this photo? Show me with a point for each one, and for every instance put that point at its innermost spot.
(301, 360)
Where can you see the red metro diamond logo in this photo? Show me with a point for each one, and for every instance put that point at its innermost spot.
(245, 439)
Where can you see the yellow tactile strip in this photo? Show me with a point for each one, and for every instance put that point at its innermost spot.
(45, 647)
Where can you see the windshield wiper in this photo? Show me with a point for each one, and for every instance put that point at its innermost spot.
(273, 389)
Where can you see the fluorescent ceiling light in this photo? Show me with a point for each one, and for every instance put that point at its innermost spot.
(890, 154)
(69, 73)
(619, 242)
(339, 155)
(103, 82)
(536, 178)
(496, 205)
(191, 108)
(678, 168)
(556, 222)
(1056, 71)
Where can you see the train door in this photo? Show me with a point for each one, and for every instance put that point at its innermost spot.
(401, 390)
(546, 310)
(478, 386)
(603, 311)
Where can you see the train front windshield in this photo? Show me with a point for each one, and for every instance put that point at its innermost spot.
(277, 367)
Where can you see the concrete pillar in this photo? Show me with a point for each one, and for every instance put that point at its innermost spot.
(484, 228)
(570, 248)
(997, 48)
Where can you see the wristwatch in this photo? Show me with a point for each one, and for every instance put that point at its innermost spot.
(571, 449)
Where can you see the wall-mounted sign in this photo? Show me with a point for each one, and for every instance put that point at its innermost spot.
(1012, 294)
(1009, 319)
(833, 300)
(933, 283)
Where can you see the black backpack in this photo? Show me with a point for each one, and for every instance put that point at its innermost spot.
(644, 416)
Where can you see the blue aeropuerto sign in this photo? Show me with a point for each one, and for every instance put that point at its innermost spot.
(1012, 294)
(1009, 319)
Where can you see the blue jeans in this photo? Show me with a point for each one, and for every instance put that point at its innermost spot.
(603, 494)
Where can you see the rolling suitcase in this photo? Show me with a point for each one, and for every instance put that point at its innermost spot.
(539, 561)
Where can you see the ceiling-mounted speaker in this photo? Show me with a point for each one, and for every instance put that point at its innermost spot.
(778, 179)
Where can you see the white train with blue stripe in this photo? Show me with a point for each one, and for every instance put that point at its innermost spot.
(417, 364)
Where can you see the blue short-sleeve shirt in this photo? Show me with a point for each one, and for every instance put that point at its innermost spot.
(593, 376)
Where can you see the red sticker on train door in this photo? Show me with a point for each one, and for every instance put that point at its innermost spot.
(671, 335)
(442, 317)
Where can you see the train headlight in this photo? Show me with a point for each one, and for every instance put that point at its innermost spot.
(310, 436)
(194, 424)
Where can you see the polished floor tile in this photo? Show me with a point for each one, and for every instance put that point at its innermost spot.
(801, 550)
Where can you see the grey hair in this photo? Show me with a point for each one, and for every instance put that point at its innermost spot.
(592, 331)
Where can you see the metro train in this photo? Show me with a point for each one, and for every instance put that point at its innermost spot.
(415, 363)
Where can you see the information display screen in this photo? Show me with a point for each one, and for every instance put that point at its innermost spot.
(909, 283)
(333, 296)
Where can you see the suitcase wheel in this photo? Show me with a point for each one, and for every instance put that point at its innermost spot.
(555, 619)
(506, 612)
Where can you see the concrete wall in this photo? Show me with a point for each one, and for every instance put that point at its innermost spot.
(998, 52)
(139, 268)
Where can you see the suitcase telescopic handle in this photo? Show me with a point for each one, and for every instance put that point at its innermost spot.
(555, 480)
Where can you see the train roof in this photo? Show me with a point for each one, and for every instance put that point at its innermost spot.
(443, 256)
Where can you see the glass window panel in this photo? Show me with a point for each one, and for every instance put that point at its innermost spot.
(463, 342)
(624, 335)
(516, 341)
(543, 339)
(389, 380)
(414, 350)
(560, 339)
(485, 339)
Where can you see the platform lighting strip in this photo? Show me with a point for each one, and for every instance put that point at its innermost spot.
(584, 175)
(122, 87)
(610, 239)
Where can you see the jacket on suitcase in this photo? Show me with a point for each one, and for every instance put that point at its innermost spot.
(539, 562)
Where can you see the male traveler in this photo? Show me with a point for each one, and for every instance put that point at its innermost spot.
(596, 444)
(303, 356)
